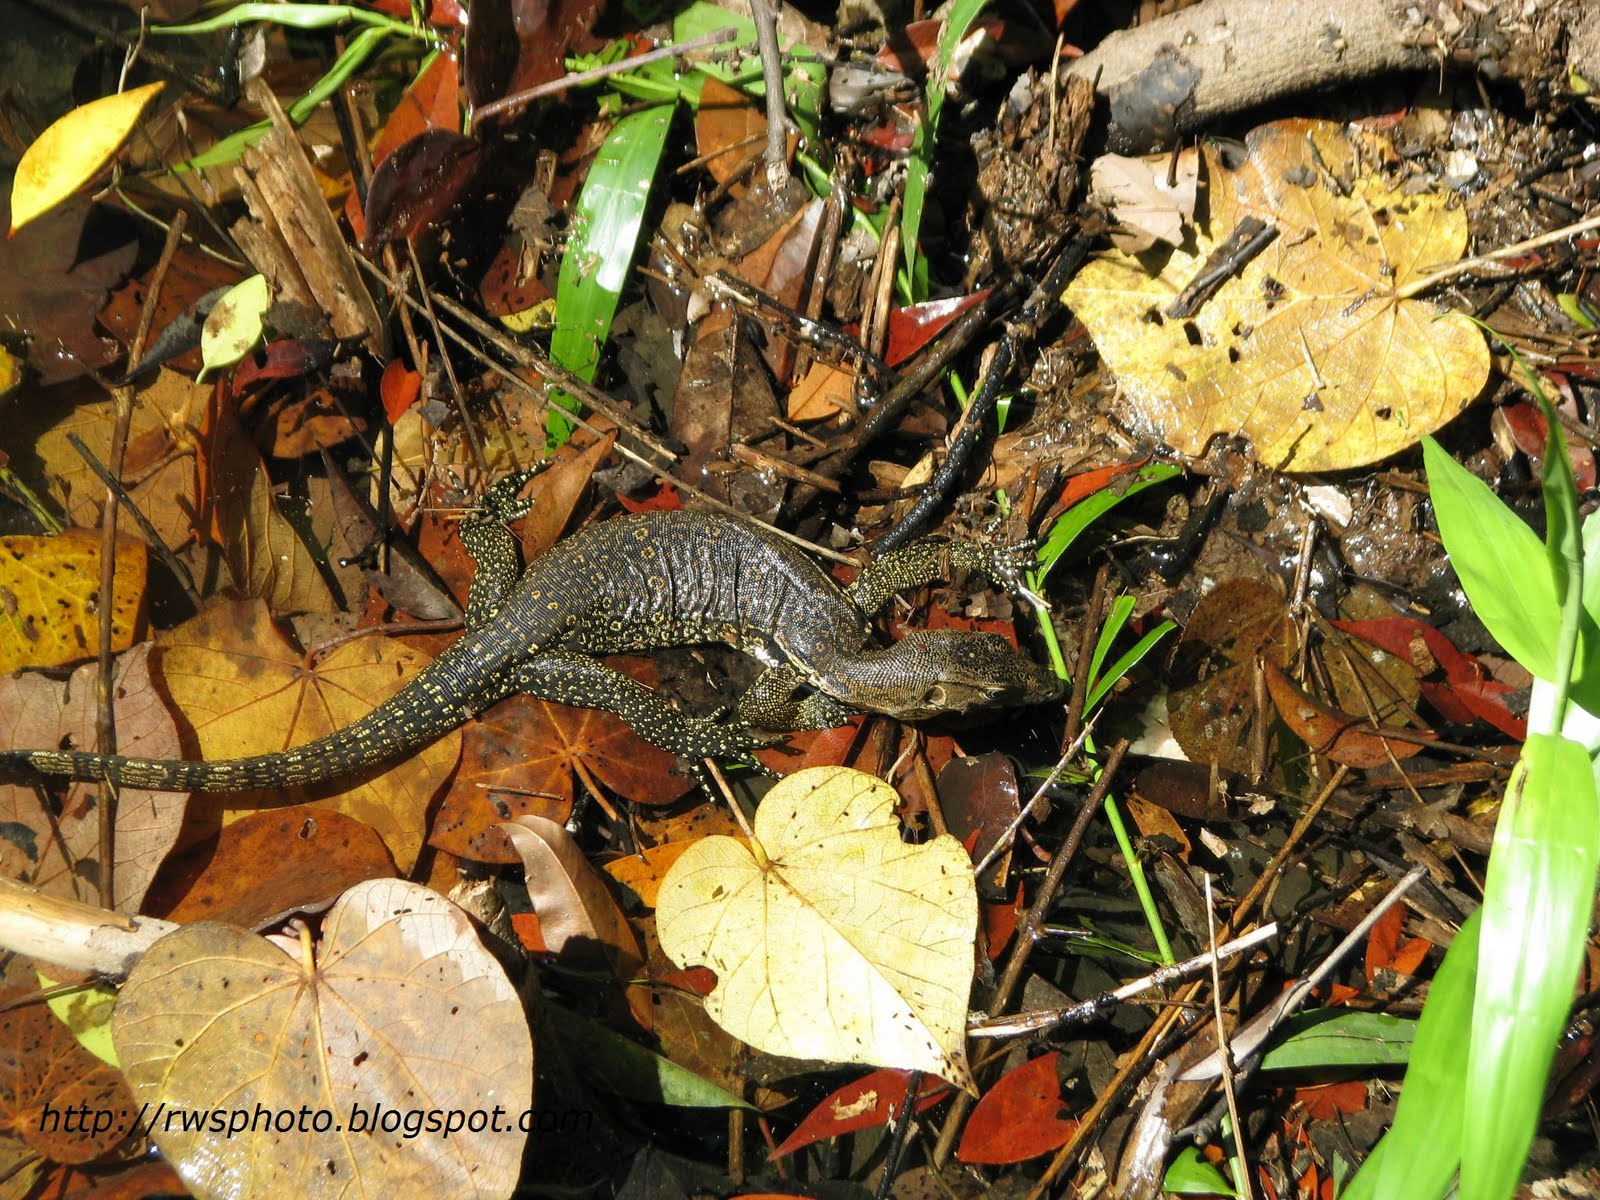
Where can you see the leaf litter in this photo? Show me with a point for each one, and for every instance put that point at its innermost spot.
(1324, 352)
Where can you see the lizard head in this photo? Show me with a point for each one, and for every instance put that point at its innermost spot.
(934, 671)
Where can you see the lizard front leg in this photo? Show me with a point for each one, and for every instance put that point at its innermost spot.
(493, 547)
(929, 559)
(585, 682)
(769, 703)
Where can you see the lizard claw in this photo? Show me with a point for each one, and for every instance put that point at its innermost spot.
(501, 503)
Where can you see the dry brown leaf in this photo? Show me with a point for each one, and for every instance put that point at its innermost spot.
(158, 469)
(577, 913)
(1313, 350)
(393, 1017)
(270, 862)
(824, 392)
(831, 938)
(50, 597)
(244, 689)
(60, 851)
(239, 514)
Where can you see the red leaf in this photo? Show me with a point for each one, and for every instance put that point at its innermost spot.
(869, 1101)
(1329, 1100)
(910, 329)
(1467, 692)
(399, 387)
(665, 499)
(1019, 1117)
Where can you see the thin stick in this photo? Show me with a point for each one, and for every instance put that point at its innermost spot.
(105, 721)
(717, 37)
(1466, 265)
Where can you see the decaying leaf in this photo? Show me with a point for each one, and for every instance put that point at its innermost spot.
(386, 1022)
(50, 607)
(831, 938)
(1314, 350)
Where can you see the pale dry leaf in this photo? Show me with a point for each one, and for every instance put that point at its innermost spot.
(1314, 350)
(59, 851)
(834, 940)
(393, 1018)
(1147, 208)
(578, 916)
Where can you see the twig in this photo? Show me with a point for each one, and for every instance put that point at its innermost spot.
(765, 14)
(579, 78)
(1466, 265)
(105, 721)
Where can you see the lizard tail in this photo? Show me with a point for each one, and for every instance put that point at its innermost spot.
(440, 698)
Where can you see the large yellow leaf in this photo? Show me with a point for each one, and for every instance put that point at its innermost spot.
(1314, 350)
(831, 938)
(73, 150)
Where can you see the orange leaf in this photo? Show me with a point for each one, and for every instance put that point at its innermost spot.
(1018, 1118)
(1326, 1101)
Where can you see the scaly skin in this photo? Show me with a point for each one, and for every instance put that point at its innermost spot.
(642, 582)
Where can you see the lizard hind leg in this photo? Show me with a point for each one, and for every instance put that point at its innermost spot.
(493, 547)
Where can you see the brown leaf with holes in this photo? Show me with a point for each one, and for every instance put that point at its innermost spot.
(1212, 703)
(59, 851)
(268, 863)
(50, 597)
(244, 689)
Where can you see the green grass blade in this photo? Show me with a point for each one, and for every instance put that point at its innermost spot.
(1332, 1037)
(1070, 524)
(1134, 656)
(920, 168)
(1418, 1156)
(604, 234)
(1501, 563)
(300, 16)
(1538, 897)
(355, 56)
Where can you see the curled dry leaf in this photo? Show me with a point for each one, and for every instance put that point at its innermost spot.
(577, 912)
(831, 938)
(389, 1024)
(1314, 350)
(73, 150)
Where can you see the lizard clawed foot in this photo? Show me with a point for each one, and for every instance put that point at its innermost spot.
(1010, 566)
(707, 737)
(501, 504)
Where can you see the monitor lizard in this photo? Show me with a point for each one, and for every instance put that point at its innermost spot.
(638, 582)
